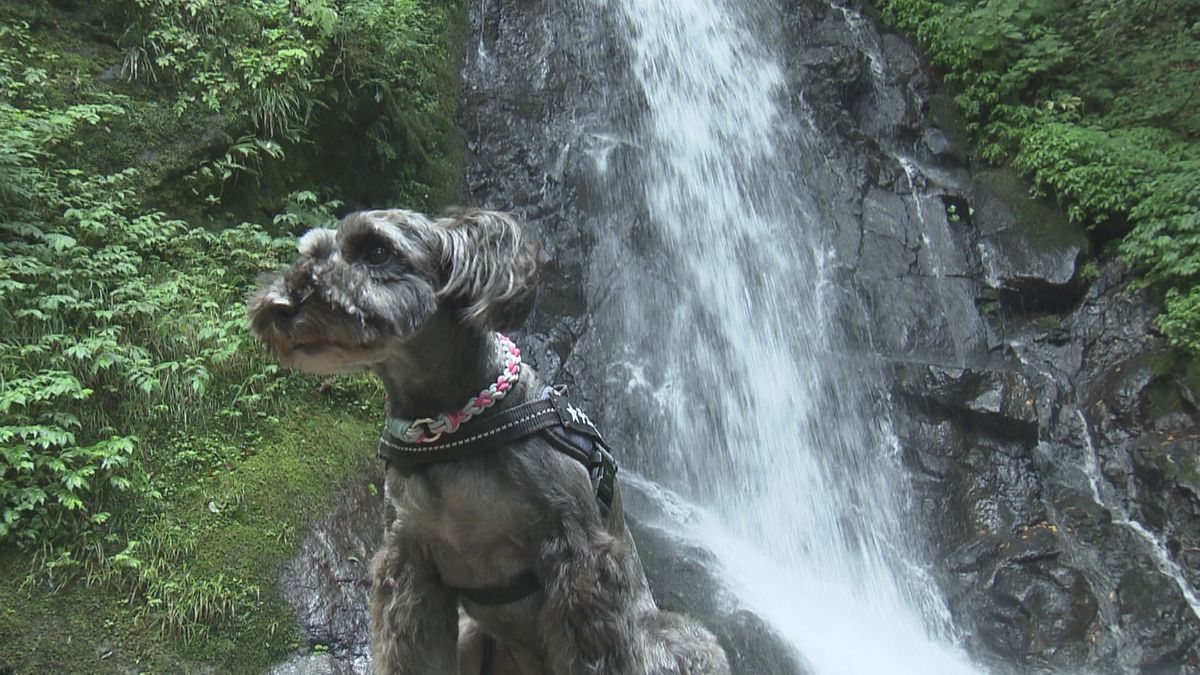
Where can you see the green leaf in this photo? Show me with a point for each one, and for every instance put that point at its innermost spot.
(60, 242)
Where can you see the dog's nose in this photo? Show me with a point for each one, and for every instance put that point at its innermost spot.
(288, 307)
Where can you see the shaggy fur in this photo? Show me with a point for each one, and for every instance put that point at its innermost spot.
(416, 300)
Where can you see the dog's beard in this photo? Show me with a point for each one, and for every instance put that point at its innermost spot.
(332, 359)
(311, 344)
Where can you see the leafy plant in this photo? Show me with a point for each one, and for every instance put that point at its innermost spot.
(120, 317)
(382, 66)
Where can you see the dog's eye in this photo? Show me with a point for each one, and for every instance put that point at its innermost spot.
(378, 255)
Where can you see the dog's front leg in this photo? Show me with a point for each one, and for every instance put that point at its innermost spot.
(414, 620)
(590, 618)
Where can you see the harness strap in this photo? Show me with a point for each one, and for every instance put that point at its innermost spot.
(474, 438)
(553, 412)
(524, 586)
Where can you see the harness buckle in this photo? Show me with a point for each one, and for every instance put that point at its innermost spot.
(606, 485)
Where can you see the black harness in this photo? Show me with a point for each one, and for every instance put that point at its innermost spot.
(561, 422)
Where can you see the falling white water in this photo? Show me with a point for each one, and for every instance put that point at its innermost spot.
(775, 435)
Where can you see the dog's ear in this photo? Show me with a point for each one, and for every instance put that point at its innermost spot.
(491, 267)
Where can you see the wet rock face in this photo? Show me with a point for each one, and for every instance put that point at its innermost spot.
(1052, 442)
(1029, 252)
(529, 149)
(534, 146)
(328, 583)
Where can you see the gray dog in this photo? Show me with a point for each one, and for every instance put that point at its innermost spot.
(544, 569)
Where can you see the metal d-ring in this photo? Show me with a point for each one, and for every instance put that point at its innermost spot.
(430, 435)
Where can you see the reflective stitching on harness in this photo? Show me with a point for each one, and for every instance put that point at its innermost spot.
(462, 441)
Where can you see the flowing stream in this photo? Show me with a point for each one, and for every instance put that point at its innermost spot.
(771, 435)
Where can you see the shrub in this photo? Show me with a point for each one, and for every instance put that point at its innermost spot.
(117, 318)
(385, 68)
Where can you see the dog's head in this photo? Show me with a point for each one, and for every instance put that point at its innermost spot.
(360, 290)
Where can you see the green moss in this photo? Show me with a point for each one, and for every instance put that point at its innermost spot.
(1171, 382)
(75, 630)
(945, 115)
(1048, 322)
(1173, 454)
(245, 522)
(234, 529)
(1161, 363)
(1161, 399)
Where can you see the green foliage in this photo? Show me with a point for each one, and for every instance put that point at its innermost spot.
(397, 64)
(386, 66)
(1098, 103)
(143, 433)
(116, 316)
(254, 58)
(123, 318)
(198, 579)
(1097, 173)
(119, 317)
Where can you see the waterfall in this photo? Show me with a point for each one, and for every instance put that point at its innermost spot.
(768, 433)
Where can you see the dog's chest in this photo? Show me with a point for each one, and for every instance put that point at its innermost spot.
(479, 531)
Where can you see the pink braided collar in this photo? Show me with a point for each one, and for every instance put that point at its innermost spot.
(430, 429)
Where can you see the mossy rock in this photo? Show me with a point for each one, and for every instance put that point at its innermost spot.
(235, 529)
(946, 117)
(1172, 458)
(1031, 252)
(1041, 222)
